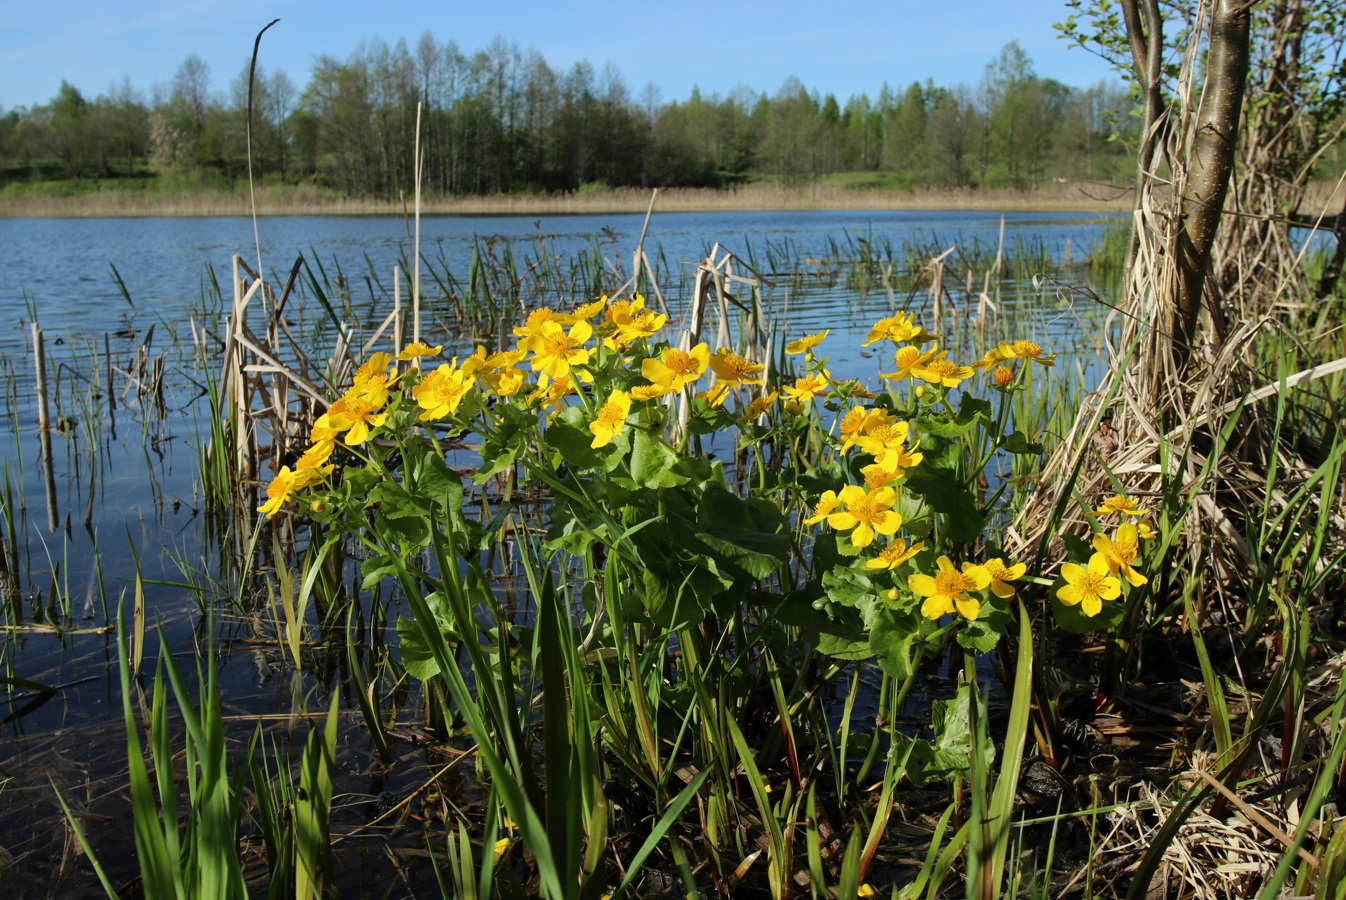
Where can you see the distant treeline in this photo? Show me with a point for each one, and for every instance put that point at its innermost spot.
(502, 120)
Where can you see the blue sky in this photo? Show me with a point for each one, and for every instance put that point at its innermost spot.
(852, 48)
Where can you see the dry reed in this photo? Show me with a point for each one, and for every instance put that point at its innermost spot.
(307, 200)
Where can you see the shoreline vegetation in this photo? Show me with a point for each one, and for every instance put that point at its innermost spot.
(289, 200)
(311, 201)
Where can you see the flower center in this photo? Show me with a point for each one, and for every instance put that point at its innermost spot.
(950, 583)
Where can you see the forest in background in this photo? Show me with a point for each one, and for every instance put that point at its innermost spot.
(503, 121)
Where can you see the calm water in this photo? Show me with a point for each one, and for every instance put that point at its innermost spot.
(131, 472)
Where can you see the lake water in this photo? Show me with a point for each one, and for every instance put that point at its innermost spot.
(130, 472)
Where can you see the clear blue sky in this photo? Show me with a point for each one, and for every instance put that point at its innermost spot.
(852, 47)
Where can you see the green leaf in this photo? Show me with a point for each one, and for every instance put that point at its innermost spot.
(941, 489)
(895, 639)
(846, 587)
(972, 411)
(1018, 442)
(570, 436)
(416, 655)
(978, 636)
(843, 646)
(653, 462)
(440, 484)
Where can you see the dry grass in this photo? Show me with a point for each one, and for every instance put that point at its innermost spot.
(303, 200)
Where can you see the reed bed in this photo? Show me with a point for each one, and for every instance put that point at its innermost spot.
(301, 200)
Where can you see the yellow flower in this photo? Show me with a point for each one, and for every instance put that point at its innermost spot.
(1145, 529)
(1001, 573)
(501, 848)
(322, 430)
(1090, 586)
(610, 419)
(1122, 504)
(1121, 552)
(715, 395)
(810, 386)
(876, 476)
(949, 589)
(674, 369)
(354, 415)
(539, 317)
(899, 328)
(1002, 376)
(586, 311)
(279, 491)
(313, 465)
(732, 370)
(441, 392)
(867, 512)
(374, 379)
(627, 322)
(807, 343)
(907, 359)
(550, 395)
(759, 406)
(992, 359)
(886, 443)
(942, 371)
(555, 350)
(504, 382)
(895, 554)
(859, 421)
(650, 391)
(826, 504)
(417, 350)
(1027, 350)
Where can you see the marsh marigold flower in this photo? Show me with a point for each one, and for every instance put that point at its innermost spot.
(440, 393)
(760, 406)
(418, 350)
(867, 513)
(611, 418)
(555, 350)
(1088, 586)
(279, 491)
(826, 504)
(1002, 574)
(907, 359)
(354, 415)
(809, 387)
(732, 370)
(375, 378)
(860, 421)
(950, 589)
(539, 317)
(1002, 376)
(1122, 505)
(1121, 552)
(807, 343)
(1028, 350)
(895, 554)
(674, 369)
(942, 371)
(899, 328)
(586, 311)
(314, 464)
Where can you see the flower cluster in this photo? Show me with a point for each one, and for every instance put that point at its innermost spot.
(555, 355)
(1113, 560)
(867, 510)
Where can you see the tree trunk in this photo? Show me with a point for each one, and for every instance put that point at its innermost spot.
(1211, 163)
